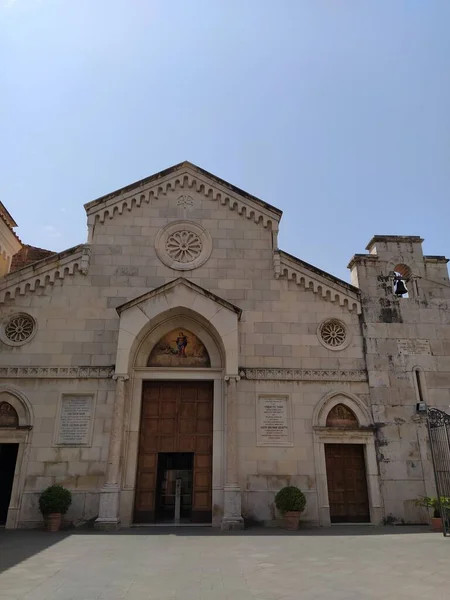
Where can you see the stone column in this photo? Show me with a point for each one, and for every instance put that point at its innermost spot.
(108, 514)
(232, 517)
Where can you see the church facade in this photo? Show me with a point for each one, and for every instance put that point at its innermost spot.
(180, 368)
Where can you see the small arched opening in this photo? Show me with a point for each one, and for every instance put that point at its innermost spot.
(402, 281)
(8, 415)
(342, 416)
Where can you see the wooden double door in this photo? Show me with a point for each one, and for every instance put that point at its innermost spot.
(347, 483)
(175, 442)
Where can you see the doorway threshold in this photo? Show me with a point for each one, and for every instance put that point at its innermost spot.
(171, 525)
(366, 524)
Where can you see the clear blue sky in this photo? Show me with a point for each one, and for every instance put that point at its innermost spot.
(335, 111)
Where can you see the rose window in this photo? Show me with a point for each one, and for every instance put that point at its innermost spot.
(183, 246)
(18, 329)
(333, 333)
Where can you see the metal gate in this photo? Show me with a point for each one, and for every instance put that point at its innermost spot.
(439, 431)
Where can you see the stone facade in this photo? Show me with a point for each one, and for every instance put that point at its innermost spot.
(184, 249)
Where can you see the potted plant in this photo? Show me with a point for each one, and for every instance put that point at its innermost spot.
(54, 502)
(291, 502)
(435, 505)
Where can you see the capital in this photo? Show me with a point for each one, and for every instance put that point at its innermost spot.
(120, 377)
(228, 378)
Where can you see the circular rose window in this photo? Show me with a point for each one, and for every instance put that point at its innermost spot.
(333, 334)
(183, 245)
(17, 329)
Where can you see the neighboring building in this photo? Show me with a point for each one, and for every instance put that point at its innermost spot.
(179, 342)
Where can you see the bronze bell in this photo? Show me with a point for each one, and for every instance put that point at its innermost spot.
(400, 287)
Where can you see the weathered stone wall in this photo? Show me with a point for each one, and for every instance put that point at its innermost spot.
(402, 334)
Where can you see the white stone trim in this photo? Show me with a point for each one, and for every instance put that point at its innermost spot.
(331, 399)
(138, 319)
(303, 374)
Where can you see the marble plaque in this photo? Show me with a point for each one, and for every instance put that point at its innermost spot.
(413, 346)
(75, 420)
(274, 424)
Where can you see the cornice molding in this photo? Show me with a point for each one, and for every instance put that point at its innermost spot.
(45, 272)
(57, 372)
(186, 179)
(303, 374)
(286, 267)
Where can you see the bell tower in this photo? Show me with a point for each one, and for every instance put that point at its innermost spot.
(405, 299)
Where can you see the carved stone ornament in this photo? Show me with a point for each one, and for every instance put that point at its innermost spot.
(303, 374)
(333, 334)
(17, 329)
(8, 415)
(341, 416)
(183, 245)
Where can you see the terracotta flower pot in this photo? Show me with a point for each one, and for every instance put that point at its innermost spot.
(53, 522)
(291, 520)
(436, 524)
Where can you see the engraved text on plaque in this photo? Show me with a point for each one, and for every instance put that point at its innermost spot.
(75, 420)
(274, 421)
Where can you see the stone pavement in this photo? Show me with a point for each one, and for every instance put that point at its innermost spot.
(341, 563)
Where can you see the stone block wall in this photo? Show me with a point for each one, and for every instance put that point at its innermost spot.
(403, 335)
(77, 326)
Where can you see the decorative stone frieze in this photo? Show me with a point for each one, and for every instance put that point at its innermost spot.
(307, 276)
(303, 374)
(57, 372)
(124, 200)
(45, 272)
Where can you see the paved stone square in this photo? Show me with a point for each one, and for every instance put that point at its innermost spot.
(341, 563)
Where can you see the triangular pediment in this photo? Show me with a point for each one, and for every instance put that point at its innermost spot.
(183, 176)
(165, 289)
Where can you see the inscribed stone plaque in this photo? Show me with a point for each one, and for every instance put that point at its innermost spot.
(274, 421)
(75, 420)
(413, 346)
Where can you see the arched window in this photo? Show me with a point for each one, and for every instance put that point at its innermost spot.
(341, 416)
(8, 415)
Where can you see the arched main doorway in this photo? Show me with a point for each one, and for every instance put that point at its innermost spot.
(179, 398)
(174, 467)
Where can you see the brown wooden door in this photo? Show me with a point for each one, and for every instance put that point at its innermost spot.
(347, 483)
(175, 417)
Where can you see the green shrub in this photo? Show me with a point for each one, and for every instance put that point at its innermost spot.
(290, 498)
(55, 499)
(433, 503)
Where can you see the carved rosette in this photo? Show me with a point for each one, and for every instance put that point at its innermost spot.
(333, 334)
(18, 329)
(183, 245)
